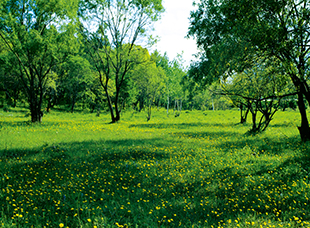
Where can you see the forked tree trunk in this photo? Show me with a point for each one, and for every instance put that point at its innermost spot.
(243, 116)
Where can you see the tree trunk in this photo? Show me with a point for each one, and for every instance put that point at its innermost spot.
(304, 129)
(141, 103)
(302, 89)
(180, 106)
(35, 102)
(254, 127)
(254, 114)
(117, 110)
(149, 112)
(242, 118)
(73, 104)
(110, 105)
(35, 111)
(167, 105)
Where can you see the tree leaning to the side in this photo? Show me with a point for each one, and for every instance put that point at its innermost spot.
(281, 29)
(40, 35)
(120, 25)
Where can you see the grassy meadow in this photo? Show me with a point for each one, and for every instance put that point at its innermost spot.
(196, 170)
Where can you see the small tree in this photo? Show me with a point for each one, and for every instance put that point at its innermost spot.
(260, 89)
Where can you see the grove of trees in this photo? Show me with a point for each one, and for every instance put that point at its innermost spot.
(95, 55)
(233, 33)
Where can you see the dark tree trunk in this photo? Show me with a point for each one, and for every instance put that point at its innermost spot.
(243, 116)
(149, 112)
(110, 107)
(117, 109)
(303, 90)
(35, 98)
(73, 104)
(35, 111)
(141, 103)
(304, 129)
(254, 127)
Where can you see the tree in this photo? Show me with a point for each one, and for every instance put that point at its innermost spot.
(121, 23)
(260, 89)
(40, 35)
(278, 29)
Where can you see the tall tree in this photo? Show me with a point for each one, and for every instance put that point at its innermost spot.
(120, 25)
(38, 34)
(279, 29)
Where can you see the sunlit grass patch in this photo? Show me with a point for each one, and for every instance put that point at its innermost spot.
(199, 169)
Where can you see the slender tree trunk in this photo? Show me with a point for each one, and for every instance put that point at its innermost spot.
(254, 127)
(168, 105)
(245, 116)
(149, 112)
(117, 110)
(181, 105)
(242, 119)
(175, 104)
(110, 104)
(73, 104)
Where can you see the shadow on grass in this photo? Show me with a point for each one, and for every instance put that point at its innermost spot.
(111, 148)
(130, 181)
(207, 134)
(181, 125)
(15, 123)
(43, 124)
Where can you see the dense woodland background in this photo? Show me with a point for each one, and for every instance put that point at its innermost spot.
(95, 56)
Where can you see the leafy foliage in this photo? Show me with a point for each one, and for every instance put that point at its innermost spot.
(276, 29)
(39, 36)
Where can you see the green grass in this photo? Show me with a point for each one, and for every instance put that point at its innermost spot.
(197, 170)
